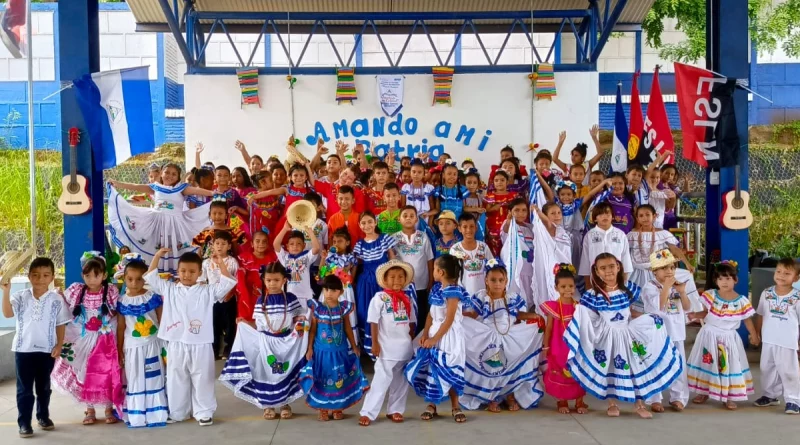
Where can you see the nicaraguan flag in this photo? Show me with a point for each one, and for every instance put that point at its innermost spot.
(619, 151)
(118, 113)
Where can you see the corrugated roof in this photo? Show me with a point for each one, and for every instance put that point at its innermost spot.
(149, 12)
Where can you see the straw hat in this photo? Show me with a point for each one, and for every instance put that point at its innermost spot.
(447, 214)
(383, 268)
(661, 258)
(301, 214)
(12, 261)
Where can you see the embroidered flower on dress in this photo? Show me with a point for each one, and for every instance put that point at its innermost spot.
(277, 367)
(143, 328)
(94, 324)
(659, 321)
(639, 348)
(67, 353)
(707, 358)
(600, 357)
(620, 363)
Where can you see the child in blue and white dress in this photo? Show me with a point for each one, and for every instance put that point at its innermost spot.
(267, 355)
(332, 379)
(166, 224)
(437, 370)
(611, 355)
(502, 354)
(140, 349)
(341, 262)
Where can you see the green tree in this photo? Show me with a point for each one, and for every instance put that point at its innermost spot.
(770, 26)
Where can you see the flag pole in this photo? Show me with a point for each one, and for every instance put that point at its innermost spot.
(31, 149)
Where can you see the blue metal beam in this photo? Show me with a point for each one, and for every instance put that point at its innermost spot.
(79, 52)
(638, 51)
(393, 16)
(375, 70)
(607, 29)
(176, 31)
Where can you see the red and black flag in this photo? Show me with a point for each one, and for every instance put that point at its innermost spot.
(656, 136)
(705, 102)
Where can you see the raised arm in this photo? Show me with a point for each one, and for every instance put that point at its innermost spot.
(681, 255)
(157, 257)
(197, 150)
(548, 192)
(361, 153)
(141, 188)
(315, 248)
(657, 163)
(316, 161)
(8, 310)
(595, 133)
(556, 155)
(197, 191)
(276, 245)
(243, 150)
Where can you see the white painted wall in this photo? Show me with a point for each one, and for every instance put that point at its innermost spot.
(43, 52)
(495, 105)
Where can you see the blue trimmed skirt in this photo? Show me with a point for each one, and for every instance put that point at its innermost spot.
(333, 379)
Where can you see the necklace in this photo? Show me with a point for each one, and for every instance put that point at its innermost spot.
(494, 314)
(283, 320)
(652, 242)
(337, 334)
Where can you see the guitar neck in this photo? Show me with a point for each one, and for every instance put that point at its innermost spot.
(73, 161)
(737, 188)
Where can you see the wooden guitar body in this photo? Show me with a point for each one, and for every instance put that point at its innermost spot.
(736, 213)
(74, 200)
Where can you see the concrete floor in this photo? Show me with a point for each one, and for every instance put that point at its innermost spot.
(241, 423)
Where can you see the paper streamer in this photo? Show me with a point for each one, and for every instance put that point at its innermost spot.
(544, 86)
(248, 82)
(345, 85)
(442, 84)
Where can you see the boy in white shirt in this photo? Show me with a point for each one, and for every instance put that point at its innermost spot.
(414, 247)
(779, 312)
(393, 323)
(603, 238)
(42, 316)
(187, 324)
(320, 230)
(225, 311)
(297, 260)
(668, 299)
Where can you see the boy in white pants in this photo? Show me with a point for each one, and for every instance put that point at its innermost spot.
(667, 298)
(393, 321)
(779, 312)
(187, 324)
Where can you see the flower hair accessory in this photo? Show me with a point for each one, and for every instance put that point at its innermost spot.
(731, 263)
(564, 266)
(571, 185)
(452, 162)
(154, 166)
(493, 264)
(219, 198)
(459, 254)
(129, 258)
(90, 255)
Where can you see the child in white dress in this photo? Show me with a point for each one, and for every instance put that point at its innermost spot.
(298, 260)
(666, 297)
(473, 253)
(393, 322)
(140, 350)
(166, 224)
(779, 311)
(718, 367)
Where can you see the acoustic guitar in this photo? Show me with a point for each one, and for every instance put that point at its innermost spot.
(736, 213)
(74, 200)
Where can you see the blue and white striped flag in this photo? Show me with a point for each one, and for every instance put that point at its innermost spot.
(117, 109)
(619, 151)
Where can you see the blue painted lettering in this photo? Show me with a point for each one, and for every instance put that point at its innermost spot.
(442, 129)
(396, 126)
(378, 127)
(340, 129)
(464, 133)
(381, 150)
(411, 126)
(360, 127)
(484, 140)
(319, 132)
(435, 151)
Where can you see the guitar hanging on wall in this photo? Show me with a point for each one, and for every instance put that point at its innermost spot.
(736, 207)
(74, 200)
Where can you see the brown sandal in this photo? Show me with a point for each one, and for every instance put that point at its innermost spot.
(364, 421)
(338, 415)
(581, 407)
(429, 413)
(286, 412)
(657, 408)
(110, 417)
(642, 411)
(90, 417)
(700, 399)
(396, 417)
(562, 406)
(493, 407)
(269, 414)
(459, 416)
(677, 406)
(323, 415)
(613, 410)
(730, 406)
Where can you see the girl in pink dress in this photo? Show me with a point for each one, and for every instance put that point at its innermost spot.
(558, 381)
(88, 368)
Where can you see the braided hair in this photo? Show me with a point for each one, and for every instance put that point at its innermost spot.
(94, 265)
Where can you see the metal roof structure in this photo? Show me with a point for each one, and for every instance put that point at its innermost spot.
(193, 22)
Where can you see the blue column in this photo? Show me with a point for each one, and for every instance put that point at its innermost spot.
(359, 50)
(638, 52)
(728, 53)
(79, 47)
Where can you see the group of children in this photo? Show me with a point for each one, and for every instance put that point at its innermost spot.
(557, 282)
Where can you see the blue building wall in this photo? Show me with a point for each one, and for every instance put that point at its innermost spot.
(781, 83)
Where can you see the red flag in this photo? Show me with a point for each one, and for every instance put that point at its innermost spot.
(657, 136)
(636, 128)
(710, 138)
